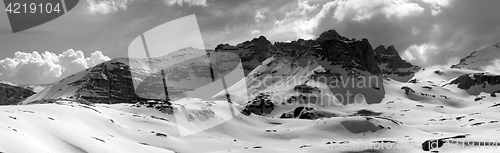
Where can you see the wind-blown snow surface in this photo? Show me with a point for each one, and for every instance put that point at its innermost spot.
(409, 115)
(431, 112)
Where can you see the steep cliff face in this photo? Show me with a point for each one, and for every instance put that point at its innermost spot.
(11, 94)
(331, 35)
(476, 83)
(252, 53)
(109, 82)
(330, 46)
(365, 53)
(393, 65)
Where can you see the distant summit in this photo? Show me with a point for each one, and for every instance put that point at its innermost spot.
(483, 59)
(330, 45)
(337, 56)
(391, 63)
(330, 35)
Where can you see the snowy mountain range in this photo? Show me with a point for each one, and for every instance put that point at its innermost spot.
(112, 81)
(330, 94)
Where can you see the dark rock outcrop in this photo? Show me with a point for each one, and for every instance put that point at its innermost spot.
(308, 113)
(260, 105)
(331, 46)
(109, 82)
(350, 54)
(330, 35)
(391, 57)
(484, 80)
(252, 53)
(11, 95)
(340, 57)
(365, 52)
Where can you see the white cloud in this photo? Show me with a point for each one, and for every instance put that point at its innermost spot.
(112, 6)
(297, 21)
(36, 68)
(260, 14)
(436, 5)
(422, 51)
(254, 32)
(308, 15)
(190, 2)
(408, 56)
(96, 58)
(493, 68)
(304, 28)
(304, 7)
(105, 6)
(360, 10)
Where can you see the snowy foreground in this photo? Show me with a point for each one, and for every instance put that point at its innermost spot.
(402, 122)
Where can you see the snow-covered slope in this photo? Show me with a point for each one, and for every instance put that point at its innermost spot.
(487, 59)
(410, 115)
(332, 94)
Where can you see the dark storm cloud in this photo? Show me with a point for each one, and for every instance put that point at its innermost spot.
(454, 32)
(232, 21)
(425, 32)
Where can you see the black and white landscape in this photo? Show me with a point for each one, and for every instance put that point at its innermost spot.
(329, 93)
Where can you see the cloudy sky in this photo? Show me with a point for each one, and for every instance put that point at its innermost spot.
(425, 32)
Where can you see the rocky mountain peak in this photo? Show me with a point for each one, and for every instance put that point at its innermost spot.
(252, 52)
(367, 56)
(390, 50)
(108, 82)
(330, 45)
(261, 39)
(392, 64)
(477, 60)
(330, 35)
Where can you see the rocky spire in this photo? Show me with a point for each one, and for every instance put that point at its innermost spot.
(381, 50)
(330, 35)
(367, 56)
